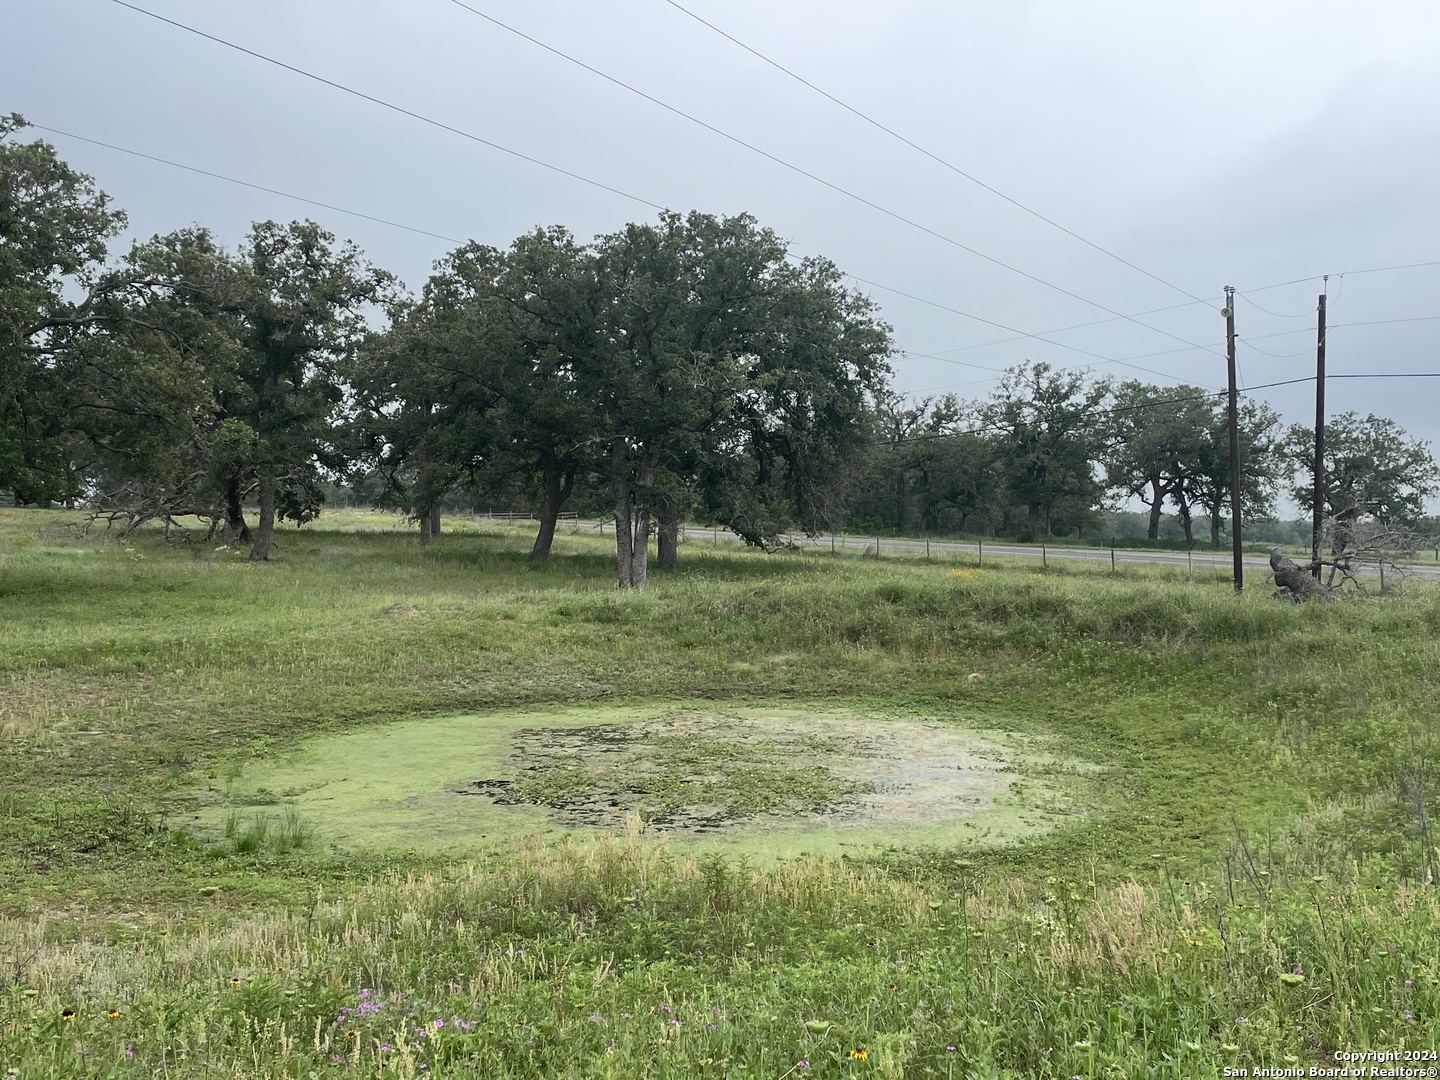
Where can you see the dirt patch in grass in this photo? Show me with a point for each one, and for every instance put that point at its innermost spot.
(700, 772)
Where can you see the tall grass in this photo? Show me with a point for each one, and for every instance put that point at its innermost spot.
(1266, 804)
(621, 957)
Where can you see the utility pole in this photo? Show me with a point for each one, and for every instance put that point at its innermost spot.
(1229, 313)
(1319, 496)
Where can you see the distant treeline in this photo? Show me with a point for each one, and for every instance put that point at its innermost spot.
(685, 369)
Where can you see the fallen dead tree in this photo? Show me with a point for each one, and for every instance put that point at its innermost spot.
(1349, 548)
(1296, 582)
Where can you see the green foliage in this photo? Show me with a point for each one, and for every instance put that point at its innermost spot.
(1049, 440)
(54, 228)
(1374, 471)
(1158, 440)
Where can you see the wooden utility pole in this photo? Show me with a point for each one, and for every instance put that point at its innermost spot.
(1229, 312)
(1319, 495)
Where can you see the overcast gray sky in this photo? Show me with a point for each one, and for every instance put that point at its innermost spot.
(1248, 145)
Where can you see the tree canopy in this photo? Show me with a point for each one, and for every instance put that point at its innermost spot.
(685, 368)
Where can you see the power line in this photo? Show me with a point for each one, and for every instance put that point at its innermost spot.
(813, 176)
(1021, 335)
(933, 156)
(950, 386)
(1390, 375)
(392, 106)
(636, 198)
(1126, 362)
(248, 184)
(1247, 342)
(657, 206)
(1276, 314)
(386, 221)
(994, 191)
(1073, 326)
(441, 236)
(1336, 326)
(1385, 322)
(1386, 269)
(1010, 329)
(1347, 273)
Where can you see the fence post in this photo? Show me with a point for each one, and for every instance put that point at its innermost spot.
(1112, 555)
(877, 547)
(980, 552)
(1044, 557)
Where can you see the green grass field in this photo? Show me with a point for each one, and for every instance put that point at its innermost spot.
(1226, 856)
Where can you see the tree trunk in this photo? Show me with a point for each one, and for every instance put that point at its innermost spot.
(632, 513)
(1296, 582)
(265, 531)
(1187, 522)
(1034, 520)
(669, 534)
(556, 492)
(1215, 524)
(428, 510)
(236, 531)
(1155, 509)
(640, 548)
(621, 487)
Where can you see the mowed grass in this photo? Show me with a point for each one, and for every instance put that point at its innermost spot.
(1264, 806)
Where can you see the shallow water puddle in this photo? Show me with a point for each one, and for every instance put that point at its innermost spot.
(765, 781)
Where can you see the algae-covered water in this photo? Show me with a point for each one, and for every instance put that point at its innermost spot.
(765, 781)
